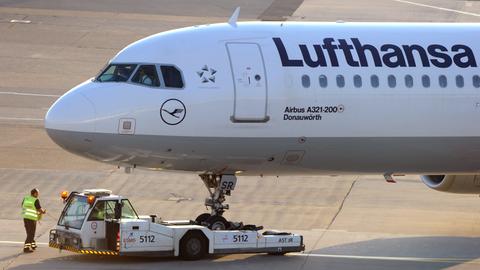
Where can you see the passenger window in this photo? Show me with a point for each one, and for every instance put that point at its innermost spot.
(172, 77)
(442, 81)
(146, 75)
(392, 81)
(374, 81)
(425, 81)
(116, 73)
(306, 81)
(476, 81)
(459, 81)
(357, 81)
(323, 81)
(409, 81)
(340, 81)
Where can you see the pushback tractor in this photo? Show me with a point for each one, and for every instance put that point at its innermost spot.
(98, 222)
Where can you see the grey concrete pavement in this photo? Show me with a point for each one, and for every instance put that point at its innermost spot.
(388, 11)
(207, 8)
(377, 224)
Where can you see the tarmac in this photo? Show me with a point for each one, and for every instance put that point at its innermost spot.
(348, 222)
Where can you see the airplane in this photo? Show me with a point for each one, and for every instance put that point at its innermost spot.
(285, 98)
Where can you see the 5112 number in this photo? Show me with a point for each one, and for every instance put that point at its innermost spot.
(147, 238)
(240, 238)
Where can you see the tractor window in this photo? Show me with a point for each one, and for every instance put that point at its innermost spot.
(116, 73)
(146, 75)
(172, 77)
(128, 211)
(110, 209)
(74, 213)
(103, 210)
(106, 210)
(98, 212)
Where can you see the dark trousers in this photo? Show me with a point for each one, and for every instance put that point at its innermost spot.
(30, 227)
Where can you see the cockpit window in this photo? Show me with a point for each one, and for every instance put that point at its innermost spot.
(146, 75)
(172, 77)
(116, 73)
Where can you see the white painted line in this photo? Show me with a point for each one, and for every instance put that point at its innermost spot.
(21, 119)
(385, 258)
(20, 21)
(28, 94)
(20, 243)
(439, 8)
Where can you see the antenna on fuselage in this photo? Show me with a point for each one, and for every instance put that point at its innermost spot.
(234, 18)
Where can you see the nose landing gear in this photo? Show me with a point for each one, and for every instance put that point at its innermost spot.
(218, 187)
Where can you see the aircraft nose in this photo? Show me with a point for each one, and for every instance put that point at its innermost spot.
(70, 122)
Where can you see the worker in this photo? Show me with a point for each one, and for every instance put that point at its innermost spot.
(31, 212)
(98, 213)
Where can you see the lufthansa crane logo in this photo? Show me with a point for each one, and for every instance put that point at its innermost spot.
(172, 112)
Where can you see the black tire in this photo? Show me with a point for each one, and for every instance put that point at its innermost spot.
(202, 218)
(217, 223)
(193, 246)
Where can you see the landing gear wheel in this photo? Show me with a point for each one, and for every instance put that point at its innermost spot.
(217, 223)
(218, 187)
(193, 246)
(202, 218)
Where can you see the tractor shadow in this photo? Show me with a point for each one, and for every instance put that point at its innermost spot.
(444, 252)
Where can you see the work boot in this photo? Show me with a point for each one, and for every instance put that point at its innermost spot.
(34, 245)
(27, 248)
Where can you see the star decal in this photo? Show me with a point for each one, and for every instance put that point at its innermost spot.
(207, 74)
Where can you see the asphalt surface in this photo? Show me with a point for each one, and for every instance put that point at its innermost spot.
(349, 222)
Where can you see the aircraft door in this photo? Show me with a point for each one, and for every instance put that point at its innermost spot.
(250, 83)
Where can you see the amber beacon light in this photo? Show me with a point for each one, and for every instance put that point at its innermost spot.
(91, 199)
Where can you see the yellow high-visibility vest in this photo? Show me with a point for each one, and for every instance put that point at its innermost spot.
(29, 210)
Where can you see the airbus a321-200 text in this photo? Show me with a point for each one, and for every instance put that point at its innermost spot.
(285, 98)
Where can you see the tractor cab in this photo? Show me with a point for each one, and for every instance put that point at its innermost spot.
(91, 219)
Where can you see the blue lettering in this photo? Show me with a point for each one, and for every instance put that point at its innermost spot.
(358, 54)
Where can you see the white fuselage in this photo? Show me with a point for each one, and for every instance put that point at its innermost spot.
(287, 98)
